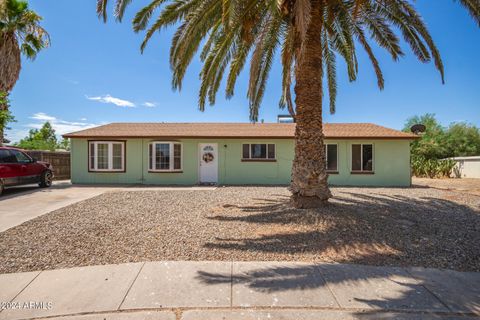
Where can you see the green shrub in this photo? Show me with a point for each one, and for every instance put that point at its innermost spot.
(432, 168)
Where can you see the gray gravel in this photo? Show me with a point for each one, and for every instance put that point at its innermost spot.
(376, 226)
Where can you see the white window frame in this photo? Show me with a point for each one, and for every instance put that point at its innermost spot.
(110, 156)
(152, 156)
(326, 156)
(259, 159)
(361, 157)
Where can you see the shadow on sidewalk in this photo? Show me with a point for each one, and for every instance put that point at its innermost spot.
(394, 288)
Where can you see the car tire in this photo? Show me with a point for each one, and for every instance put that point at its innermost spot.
(46, 179)
(2, 187)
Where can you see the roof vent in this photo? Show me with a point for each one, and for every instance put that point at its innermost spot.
(418, 128)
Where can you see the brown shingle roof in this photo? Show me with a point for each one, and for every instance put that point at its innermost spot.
(235, 130)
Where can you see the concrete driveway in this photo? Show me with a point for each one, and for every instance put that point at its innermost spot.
(21, 204)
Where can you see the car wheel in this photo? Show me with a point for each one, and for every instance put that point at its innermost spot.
(2, 187)
(46, 179)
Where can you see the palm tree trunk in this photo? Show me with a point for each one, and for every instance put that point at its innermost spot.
(309, 185)
(10, 64)
(3, 122)
(2, 135)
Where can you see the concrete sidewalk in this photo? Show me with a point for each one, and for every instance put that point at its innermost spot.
(240, 291)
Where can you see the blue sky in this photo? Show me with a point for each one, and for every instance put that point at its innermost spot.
(94, 73)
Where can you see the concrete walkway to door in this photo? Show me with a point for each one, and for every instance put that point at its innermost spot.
(214, 290)
(21, 204)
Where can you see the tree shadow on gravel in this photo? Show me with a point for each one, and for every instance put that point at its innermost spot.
(365, 229)
(372, 229)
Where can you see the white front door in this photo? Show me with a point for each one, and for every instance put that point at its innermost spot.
(208, 162)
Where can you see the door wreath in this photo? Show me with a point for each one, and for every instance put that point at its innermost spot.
(208, 157)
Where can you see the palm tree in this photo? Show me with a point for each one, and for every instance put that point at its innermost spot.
(311, 34)
(20, 33)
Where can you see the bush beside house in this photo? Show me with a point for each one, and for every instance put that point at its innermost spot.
(431, 153)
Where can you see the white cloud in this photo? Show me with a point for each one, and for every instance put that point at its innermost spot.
(149, 104)
(59, 125)
(42, 117)
(83, 119)
(116, 101)
(16, 135)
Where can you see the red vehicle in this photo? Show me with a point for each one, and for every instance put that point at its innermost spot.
(18, 168)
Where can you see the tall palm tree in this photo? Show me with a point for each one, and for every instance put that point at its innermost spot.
(20, 33)
(311, 35)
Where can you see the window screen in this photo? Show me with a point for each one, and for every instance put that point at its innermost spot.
(177, 156)
(102, 156)
(356, 157)
(331, 156)
(367, 158)
(165, 156)
(117, 156)
(162, 156)
(258, 151)
(106, 155)
(362, 157)
(271, 151)
(246, 151)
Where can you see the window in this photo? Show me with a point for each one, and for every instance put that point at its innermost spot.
(362, 157)
(258, 151)
(331, 156)
(7, 157)
(165, 156)
(106, 156)
(20, 157)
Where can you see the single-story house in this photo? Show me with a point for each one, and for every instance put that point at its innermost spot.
(358, 154)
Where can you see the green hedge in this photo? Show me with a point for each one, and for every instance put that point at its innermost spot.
(432, 168)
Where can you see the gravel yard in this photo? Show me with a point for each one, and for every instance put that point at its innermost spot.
(466, 185)
(377, 226)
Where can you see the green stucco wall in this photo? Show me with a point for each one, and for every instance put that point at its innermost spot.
(391, 164)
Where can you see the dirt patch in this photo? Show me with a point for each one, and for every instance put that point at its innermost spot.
(468, 185)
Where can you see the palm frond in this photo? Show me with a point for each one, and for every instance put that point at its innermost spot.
(473, 8)
(120, 7)
(102, 9)
(142, 18)
(229, 33)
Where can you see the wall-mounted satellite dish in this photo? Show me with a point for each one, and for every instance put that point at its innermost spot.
(418, 128)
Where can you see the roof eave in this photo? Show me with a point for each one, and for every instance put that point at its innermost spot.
(73, 136)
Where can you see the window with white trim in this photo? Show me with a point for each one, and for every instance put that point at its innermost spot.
(362, 157)
(106, 156)
(331, 157)
(165, 156)
(258, 151)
